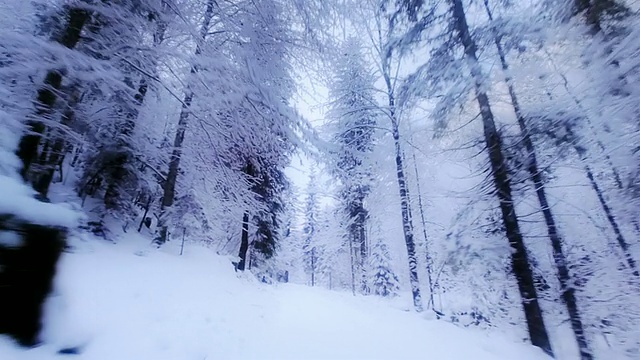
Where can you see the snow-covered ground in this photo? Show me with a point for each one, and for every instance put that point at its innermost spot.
(129, 301)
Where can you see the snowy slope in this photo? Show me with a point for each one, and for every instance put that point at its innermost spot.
(127, 301)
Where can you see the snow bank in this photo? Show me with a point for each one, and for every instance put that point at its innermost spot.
(129, 302)
(18, 199)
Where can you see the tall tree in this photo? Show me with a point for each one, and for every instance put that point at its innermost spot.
(382, 30)
(169, 186)
(440, 63)
(68, 36)
(353, 117)
(567, 289)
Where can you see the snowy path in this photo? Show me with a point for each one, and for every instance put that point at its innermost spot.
(158, 306)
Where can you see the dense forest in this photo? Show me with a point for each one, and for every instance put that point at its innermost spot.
(480, 156)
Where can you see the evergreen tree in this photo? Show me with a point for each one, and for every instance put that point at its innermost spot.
(353, 118)
(384, 281)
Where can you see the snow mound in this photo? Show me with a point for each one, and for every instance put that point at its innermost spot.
(126, 302)
(19, 199)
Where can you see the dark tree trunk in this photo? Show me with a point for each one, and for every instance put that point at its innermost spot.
(46, 99)
(27, 277)
(146, 211)
(358, 215)
(313, 266)
(519, 258)
(244, 242)
(564, 276)
(362, 216)
(169, 187)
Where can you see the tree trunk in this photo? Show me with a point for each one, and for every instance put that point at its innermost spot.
(313, 266)
(56, 153)
(169, 186)
(363, 249)
(146, 211)
(244, 242)
(405, 204)
(353, 264)
(407, 225)
(622, 242)
(28, 146)
(567, 289)
(614, 171)
(519, 258)
(424, 234)
(428, 259)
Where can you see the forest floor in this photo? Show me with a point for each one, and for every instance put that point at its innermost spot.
(130, 301)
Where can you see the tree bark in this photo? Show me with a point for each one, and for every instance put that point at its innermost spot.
(244, 242)
(564, 276)
(519, 258)
(407, 224)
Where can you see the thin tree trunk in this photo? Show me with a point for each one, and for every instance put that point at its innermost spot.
(407, 225)
(405, 204)
(564, 276)
(519, 258)
(622, 242)
(614, 170)
(174, 164)
(428, 259)
(244, 242)
(313, 266)
(424, 233)
(363, 247)
(353, 270)
(46, 99)
(146, 211)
